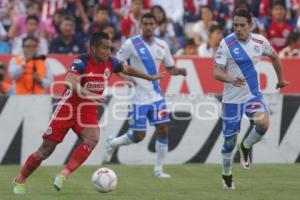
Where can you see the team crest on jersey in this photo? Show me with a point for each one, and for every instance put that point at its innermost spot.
(77, 61)
(256, 49)
(94, 86)
(106, 73)
(48, 131)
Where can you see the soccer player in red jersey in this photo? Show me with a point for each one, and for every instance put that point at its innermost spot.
(77, 109)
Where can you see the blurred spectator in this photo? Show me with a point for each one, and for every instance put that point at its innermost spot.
(130, 24)
(174, 9)
(100, 20)
(190, 11)
(201, 28)
(9, 9)
(67, 42)
(4, 45)
(52, 30)
(265, 6)
(72, 7)
(208, 49)
(165, 29)
(18, 26)
(277, 29)
(32, 23)
(221, 11)
(122, 8)
(30, 72)
(293, 48)
(4, 86)
(190, 48)
(114, 37)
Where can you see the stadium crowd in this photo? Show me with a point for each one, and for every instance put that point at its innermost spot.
(190, 27)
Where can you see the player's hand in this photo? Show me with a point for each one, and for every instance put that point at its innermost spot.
(238, 81)
(182, 71)
(157, 76)
(282, 84)
(98, 99)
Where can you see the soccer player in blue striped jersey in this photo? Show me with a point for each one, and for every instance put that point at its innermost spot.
(236, 65)
(146, 53)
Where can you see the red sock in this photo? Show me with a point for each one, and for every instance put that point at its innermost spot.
(80, 154)
(31, 164)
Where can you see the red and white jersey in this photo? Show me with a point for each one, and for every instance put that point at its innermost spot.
(92, 76)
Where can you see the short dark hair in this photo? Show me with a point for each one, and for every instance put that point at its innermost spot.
(215, 27)
(32, 17)
(293, 37)
(148, 15)
(278, 3)
(189, 42)
(97, 38)
(30, 38)
(241, 12)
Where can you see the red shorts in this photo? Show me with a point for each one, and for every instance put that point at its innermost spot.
(67, 116)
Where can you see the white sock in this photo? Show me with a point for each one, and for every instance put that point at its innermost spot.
(161, 148)
(227, 163)
(124, 139)
(252, 138)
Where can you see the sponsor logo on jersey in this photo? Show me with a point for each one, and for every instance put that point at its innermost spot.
(162, 114)
(236, 50)
(256, 49)
(94, 86)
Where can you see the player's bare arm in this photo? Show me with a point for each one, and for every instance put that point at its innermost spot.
(131, 71)
(220, 75)
(278, 69)
(175, 71)
(73, 82)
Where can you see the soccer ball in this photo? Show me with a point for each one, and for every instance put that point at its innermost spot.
(104, 180)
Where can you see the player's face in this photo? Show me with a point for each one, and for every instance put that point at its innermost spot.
(148, 26)
(103, 51)
(241, 27)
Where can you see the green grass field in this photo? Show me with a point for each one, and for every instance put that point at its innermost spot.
(189, 182)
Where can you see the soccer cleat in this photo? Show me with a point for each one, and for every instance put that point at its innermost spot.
(161, 174)
(228, 182)
(18, 188)
(59, 182)
(109, 150)
(244, 156)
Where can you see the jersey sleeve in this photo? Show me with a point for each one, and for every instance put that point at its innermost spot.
(125, 51)
(116, 65)
(267, 47)
(168, 60)
(78, 66)
(221, 55)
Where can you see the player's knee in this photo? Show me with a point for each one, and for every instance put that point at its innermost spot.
(91, 142)
(138, 136)
(229, 144)
(261, 129)
(42, 155)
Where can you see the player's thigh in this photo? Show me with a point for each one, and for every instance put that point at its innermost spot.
(256, 109)
(138, 117)
(57, 130)
(158, 114)
(162, 130)
(231, 115)
(87, 126)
